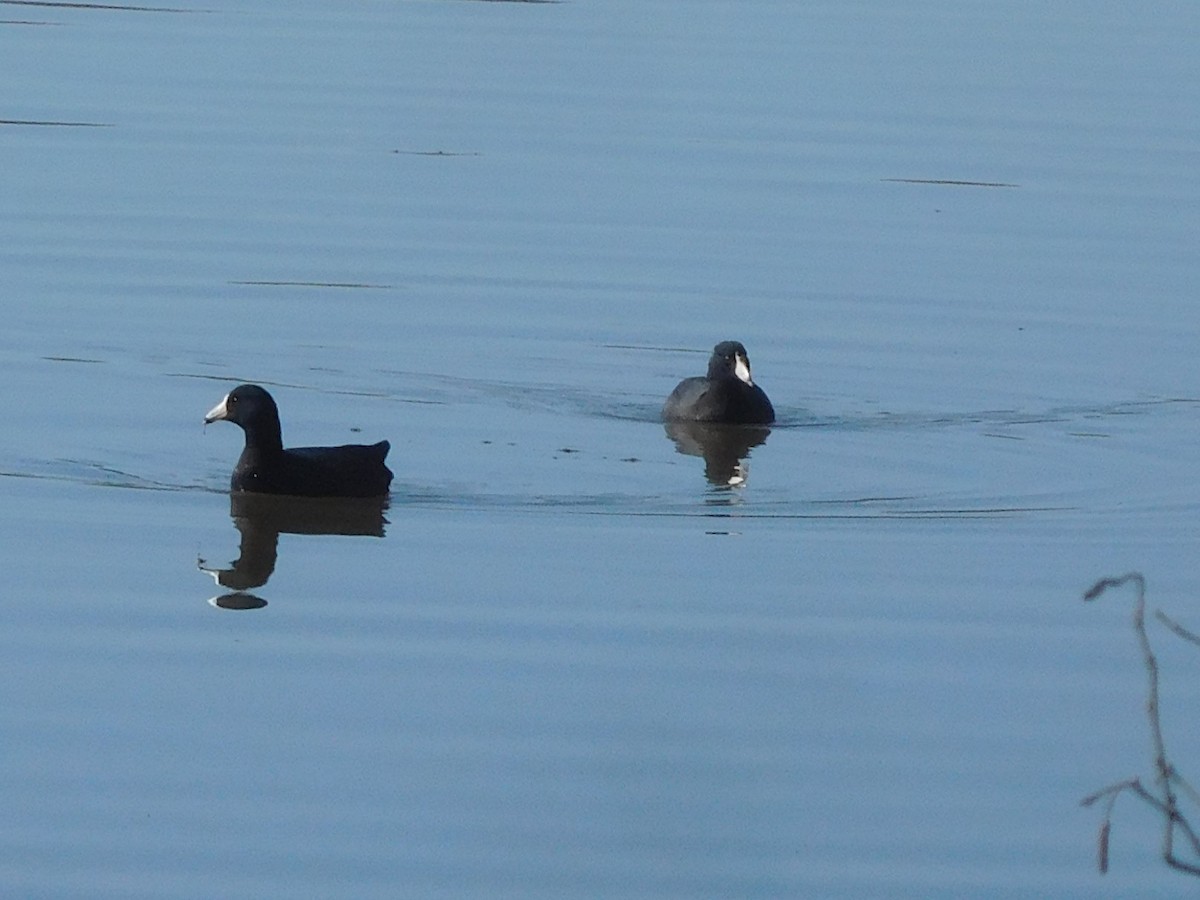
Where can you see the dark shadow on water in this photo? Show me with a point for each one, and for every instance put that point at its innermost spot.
(724, 448)
(238, 600)
(261, 518)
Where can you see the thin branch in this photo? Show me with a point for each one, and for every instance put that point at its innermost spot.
(1111, 791)
(1166, 778)
(1176, 627)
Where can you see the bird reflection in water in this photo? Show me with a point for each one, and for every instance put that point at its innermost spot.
(723, 447)
(261, 518)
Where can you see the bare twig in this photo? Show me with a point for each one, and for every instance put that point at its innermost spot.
(1166, 779)
(1176, 627)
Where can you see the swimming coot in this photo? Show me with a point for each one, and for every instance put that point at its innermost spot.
(726, 395)
(352, 470)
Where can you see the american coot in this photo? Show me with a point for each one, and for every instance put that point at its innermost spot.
(726, 395)
(352, 470)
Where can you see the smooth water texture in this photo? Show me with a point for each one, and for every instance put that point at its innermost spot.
(571, 657)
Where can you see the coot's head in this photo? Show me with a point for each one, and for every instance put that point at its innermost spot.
(247, 405)
(729, 360)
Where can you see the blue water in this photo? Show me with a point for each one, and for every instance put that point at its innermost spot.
(959, 244)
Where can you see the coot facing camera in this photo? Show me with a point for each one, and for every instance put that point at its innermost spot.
(726, 395)
(351, 470)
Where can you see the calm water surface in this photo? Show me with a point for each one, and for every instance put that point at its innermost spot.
(960, 247)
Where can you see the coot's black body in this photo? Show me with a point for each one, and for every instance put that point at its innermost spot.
(352, 470)
(727, 395)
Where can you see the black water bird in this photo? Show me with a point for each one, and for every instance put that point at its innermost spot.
(351, 470)
(726, 395)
